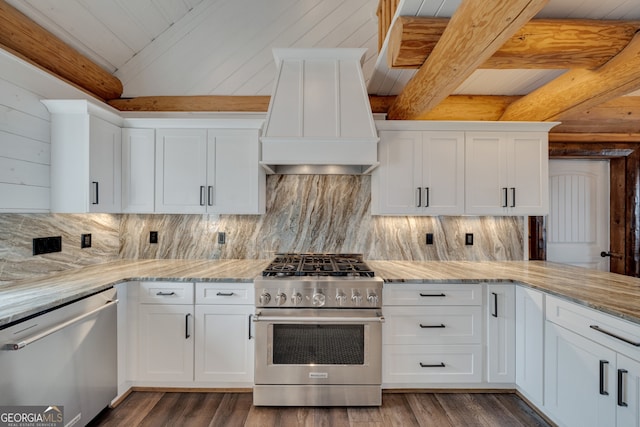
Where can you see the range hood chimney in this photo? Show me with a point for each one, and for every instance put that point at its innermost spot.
(319, 119)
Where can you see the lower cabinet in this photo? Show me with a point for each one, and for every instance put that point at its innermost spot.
(194, 334)
(529, 339)
(433, 334)
(501, 312)
(591, 371)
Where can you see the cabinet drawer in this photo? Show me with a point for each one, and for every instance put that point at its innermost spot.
(224, 293)
(432, 294)
(595, 325)
(428, 364)
(432, 325)
(166, 292)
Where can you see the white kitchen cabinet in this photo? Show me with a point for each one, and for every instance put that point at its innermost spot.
(138, 170)
(591, 366)
(627, 392)
(224, 347)
(506, 173)
(530, 343)
(420, 173)
(165, 331)
(501, 360)
(86, 144)
(433, 333)
(579, 379)
(209, 171)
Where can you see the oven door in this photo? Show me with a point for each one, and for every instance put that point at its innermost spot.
(309, 346)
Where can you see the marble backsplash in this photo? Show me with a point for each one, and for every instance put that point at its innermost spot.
(18, 231)
(315, 213)
(305, 213)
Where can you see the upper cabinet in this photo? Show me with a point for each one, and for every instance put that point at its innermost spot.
(138, 170)
(85, 157)
(507, 173)
(420, 173)
(456, 168)
(209, 171)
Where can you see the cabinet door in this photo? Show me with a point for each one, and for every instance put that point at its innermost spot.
(181, 170)
(224, 345)
(395, 182)
(579, 379)
(166, 339)
(528, 166)
(442, 173)
(486, 186)
(501, 333)
(530, 343)
(628, 392)
(105, 145)
(138, 170)
(235, 179)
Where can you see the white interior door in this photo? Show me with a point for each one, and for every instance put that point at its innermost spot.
(578, 222)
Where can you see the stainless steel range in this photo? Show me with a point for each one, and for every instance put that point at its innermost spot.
(318, 332)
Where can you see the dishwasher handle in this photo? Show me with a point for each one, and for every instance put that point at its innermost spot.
(39, 336)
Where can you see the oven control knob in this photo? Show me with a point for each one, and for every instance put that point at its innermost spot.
(318, 299)
(265, 298)
(341, 298)
(356, 298)
(281, 298)
(372, 298)
(296, 298)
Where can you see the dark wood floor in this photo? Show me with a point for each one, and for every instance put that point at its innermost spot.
(398, 409)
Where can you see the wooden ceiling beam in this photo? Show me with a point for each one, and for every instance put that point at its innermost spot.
(20, 35)
(541, 43)
(475, 32)
(580, 89)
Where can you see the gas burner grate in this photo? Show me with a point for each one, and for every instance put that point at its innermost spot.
(287, 264)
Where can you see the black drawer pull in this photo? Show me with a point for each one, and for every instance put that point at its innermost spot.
(439, 365)
(225, 294)
(611, 334)
(165, 294)
(621, 377)
(432, 326)
(187, 332)
(432, 295)
(603, 390)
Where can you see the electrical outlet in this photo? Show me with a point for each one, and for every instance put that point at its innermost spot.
(85, 240)
(47, 245)
(468, 239)
(429, 238)
(153, 237)
(222, 237)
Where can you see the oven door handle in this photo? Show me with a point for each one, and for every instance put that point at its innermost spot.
(310, 319)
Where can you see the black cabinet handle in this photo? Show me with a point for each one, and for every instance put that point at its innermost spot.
(432, 295)
(97, 197)
(418, 197)
(618, 337)
(494, 313)
(621, 378)
(187, 334)
(513, 197)
(250, 318)
(426, 197)
(202, 195)
(506, 197)
(225, 294)
(603, 390)
(165, 294)
(439, 365)
(432, 326)
(210, 195)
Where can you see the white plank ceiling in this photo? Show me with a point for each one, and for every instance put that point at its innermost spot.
(223, 47)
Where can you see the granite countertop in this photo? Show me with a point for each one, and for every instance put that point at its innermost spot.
(611, 293)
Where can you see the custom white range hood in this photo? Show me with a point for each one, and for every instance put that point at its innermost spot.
(319, 119)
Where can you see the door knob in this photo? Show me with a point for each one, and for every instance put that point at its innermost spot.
(604, 254)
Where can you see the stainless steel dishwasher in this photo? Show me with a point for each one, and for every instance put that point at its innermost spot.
(63, 357)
